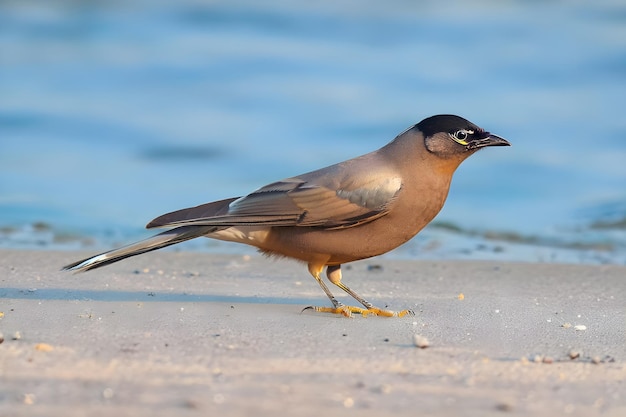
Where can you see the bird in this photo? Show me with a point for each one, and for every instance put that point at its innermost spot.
(356, 209)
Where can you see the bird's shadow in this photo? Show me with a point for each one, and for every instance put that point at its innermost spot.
(65, 294)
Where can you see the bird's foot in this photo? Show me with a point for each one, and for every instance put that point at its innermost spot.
(348, 311)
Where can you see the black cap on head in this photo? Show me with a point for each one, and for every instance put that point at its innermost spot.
(445, 123)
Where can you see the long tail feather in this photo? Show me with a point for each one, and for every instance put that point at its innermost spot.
(167, 238)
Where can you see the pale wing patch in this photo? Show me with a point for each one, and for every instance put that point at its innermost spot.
(373, 198)
(242, 234)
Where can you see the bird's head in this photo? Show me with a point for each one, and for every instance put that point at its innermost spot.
(453, 137)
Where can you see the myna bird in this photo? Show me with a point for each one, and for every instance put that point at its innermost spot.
(352, 210)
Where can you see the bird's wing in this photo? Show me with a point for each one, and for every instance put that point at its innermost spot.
(215, 208)
(314, 199)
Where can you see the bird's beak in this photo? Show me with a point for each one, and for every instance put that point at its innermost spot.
(489, 140)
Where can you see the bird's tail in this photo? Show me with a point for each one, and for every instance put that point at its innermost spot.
(167, 238)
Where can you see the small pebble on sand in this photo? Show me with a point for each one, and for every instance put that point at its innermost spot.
(420, 341)
(504, 407)
(574, 354)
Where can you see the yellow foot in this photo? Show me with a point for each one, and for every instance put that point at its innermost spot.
(347, 311)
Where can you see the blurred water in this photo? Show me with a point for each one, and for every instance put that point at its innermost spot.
(112, 113)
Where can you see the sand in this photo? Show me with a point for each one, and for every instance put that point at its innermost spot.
(202, 334)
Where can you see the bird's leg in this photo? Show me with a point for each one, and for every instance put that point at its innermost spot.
(333, 272)
(334, 275)
(338, 307)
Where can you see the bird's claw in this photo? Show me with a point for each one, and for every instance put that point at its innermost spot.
(348, 311)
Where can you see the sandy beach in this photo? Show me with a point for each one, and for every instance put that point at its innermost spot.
(203, 334)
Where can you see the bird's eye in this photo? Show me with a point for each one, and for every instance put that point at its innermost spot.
(460, 135)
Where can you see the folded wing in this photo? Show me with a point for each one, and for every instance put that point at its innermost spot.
(296, 202)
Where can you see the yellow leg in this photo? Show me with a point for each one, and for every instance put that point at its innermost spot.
(334, 275)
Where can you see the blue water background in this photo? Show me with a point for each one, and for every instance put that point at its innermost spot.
(112, 113)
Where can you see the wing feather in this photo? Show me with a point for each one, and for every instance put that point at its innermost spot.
(304, 201)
